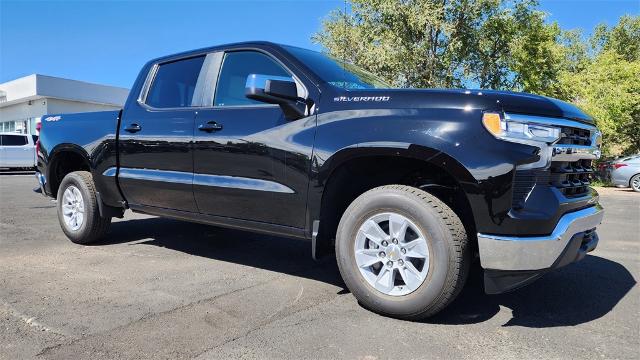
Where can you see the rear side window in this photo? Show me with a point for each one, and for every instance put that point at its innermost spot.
(174, 83)
(14, 140)
(233, 76)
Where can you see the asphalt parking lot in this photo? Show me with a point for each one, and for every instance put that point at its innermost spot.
(160, 288)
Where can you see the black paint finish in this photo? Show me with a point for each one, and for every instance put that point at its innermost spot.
(260, 171)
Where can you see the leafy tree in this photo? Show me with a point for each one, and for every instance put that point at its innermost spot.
(607, 85)
(495, 44)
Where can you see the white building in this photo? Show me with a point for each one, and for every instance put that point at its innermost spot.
(25, 100)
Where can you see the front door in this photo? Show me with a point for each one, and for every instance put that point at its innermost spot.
(156, 135)
(242, 154)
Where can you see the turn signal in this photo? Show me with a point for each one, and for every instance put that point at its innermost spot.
(493, 123)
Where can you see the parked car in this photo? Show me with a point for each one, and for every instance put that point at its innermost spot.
(406, 185)
(17, 151)
(625, 172)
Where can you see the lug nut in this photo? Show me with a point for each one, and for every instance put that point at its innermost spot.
(404, 251)
(395, 241)
(389, 263)
(382, 254)
(384, 243)
(400, 262)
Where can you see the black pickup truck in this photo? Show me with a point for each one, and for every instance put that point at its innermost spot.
(407, 186)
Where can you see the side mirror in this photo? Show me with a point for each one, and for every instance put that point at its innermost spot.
(277, 90)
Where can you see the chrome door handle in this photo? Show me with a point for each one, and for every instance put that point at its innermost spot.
(211, 126)
(133, 128)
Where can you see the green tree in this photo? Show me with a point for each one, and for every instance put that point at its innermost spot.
(495, 44)
(607, 84)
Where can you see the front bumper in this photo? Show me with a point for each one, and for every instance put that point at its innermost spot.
(511, 261)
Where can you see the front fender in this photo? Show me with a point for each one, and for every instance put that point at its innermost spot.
(451, 139)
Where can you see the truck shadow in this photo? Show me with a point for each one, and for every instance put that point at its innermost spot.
(573, 295)
(273, 253)
(576, 294)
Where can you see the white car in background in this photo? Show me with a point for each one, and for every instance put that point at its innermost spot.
(17, 151)
(625, 172)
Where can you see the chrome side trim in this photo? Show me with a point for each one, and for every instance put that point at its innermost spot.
(537, 252)
(236, 182)
(180, 177)
(112, 171)
(177, 177)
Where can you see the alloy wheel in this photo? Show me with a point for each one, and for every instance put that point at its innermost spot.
(392, 254)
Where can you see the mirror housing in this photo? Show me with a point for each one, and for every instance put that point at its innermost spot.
(277, 90)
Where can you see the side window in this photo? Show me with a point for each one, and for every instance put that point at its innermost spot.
(14, 140)
(175, 83)
(233, 76)
(35, 138)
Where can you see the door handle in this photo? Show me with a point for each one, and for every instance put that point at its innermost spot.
(133, 128)
(211, 126)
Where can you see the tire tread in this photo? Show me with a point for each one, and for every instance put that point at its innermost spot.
(98, 226)
(459, 258)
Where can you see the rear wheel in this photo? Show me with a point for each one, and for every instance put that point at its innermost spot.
(78, 211)
(402, 252)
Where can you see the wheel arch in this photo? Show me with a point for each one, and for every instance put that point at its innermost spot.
(452, 180)
(65, 158)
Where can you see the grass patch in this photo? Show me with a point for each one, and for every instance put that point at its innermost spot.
(601, 183)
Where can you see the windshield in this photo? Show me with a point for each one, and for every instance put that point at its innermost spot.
(332, 71)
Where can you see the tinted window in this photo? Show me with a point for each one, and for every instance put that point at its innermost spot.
(233, 77)
(35, 138)
(336, 72)
(174, 83)
(14, 140)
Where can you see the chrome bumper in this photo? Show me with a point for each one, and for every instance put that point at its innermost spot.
(41, 182)
(539, 252)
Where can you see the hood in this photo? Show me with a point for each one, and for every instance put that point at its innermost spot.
(510, 102)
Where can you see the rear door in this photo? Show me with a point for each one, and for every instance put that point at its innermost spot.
(156, 134)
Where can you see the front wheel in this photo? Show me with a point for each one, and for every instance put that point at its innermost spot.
(635, 182)
(78, 211)
(402, 252)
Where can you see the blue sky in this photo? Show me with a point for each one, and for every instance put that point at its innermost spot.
(107, 42)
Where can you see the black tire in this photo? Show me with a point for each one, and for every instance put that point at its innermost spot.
(634, 179)
(93, 227)
(447, 241)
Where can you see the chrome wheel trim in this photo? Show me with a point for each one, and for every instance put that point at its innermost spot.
(635, 183)
(394, 261)
(72, 208)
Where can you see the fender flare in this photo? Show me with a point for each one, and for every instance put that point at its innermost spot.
(406, 150)
(61, 149)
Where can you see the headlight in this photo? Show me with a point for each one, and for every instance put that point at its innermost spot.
(519, 131)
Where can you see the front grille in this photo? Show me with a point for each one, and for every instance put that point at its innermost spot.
(571, 178)
(575, 136)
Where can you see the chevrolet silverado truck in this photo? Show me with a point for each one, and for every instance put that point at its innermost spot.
(408, 187)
